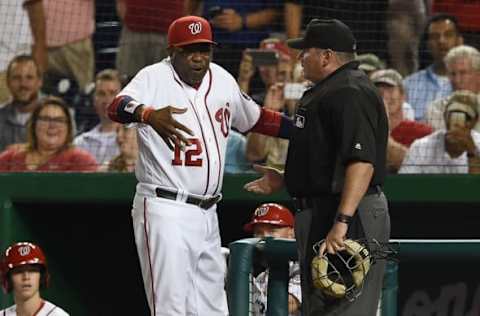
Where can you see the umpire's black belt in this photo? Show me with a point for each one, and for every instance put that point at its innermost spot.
(307, 202)
(203, 203)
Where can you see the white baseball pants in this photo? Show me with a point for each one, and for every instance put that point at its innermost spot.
(179, 248)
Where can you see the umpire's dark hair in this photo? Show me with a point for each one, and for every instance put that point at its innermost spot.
(442, 17)
(23, 59)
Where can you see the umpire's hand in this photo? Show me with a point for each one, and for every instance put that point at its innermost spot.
(168, 128)
(271, 182)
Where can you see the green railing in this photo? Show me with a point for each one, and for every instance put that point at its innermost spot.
(92, 213)
(426, 254)
(278, 253)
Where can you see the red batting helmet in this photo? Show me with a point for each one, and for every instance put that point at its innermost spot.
(270, 213)
(189, 30)
(20, 254)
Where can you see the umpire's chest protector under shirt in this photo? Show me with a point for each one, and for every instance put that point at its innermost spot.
(339, 120)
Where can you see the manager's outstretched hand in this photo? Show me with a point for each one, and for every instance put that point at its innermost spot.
(168, 128)
(271, 182)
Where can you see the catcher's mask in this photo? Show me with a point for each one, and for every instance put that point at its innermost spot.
(342, 274)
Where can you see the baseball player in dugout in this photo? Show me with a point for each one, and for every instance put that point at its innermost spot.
(274, 220)
(183, 108)
(335, 165)
(24, 272)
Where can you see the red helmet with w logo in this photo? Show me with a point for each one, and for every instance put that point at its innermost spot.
(20, 254)
(270, 213)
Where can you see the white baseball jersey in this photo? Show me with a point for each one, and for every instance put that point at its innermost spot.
(47, 309)
(261, 287)
(213, 108)
(179, 243)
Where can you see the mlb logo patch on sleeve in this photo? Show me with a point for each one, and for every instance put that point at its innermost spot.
(299, 121)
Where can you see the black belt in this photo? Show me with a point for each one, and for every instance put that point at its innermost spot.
(307, 202)
(203, 203)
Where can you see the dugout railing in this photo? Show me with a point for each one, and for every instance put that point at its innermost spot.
(83, 222)
(424, 263)
(277, 254)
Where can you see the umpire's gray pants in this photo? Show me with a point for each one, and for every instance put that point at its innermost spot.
(371, 221)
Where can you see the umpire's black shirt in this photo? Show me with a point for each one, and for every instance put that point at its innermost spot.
(341, 119)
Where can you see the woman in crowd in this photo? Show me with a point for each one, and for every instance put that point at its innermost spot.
(49, 147)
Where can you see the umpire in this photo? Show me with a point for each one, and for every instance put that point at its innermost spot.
(336, 163)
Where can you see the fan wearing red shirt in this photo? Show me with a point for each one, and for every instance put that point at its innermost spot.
(49, 146)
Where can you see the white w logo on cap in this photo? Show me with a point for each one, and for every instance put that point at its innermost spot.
(24, 251)
(195, 28)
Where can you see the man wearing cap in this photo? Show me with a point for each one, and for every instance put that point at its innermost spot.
(274, 220)
(336, 163)
(463, 71)
(402, 131)
(276, 78)
(279, 70)
(370, 63)
(183, 108)
(408, 112)
(451, 150)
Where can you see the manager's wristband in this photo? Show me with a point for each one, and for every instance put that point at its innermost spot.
(342, 218)
(146, 112)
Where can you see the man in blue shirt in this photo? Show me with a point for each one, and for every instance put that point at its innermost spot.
(431, 83)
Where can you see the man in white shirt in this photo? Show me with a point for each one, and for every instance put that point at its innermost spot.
(454, 150)
(100, 141)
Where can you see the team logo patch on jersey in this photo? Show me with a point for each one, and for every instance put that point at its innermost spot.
(222, 116)
(195, 28)
(24, 251)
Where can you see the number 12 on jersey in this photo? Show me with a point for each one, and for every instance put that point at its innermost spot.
(191, 158)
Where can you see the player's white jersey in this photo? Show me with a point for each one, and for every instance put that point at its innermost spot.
(48, 309)
(217, 105)
(261, 286)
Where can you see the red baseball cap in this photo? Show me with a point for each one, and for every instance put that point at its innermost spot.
(270, 213)
(276, 45)
(189, 30)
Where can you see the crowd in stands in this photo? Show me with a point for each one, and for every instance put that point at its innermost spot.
(422, 55)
